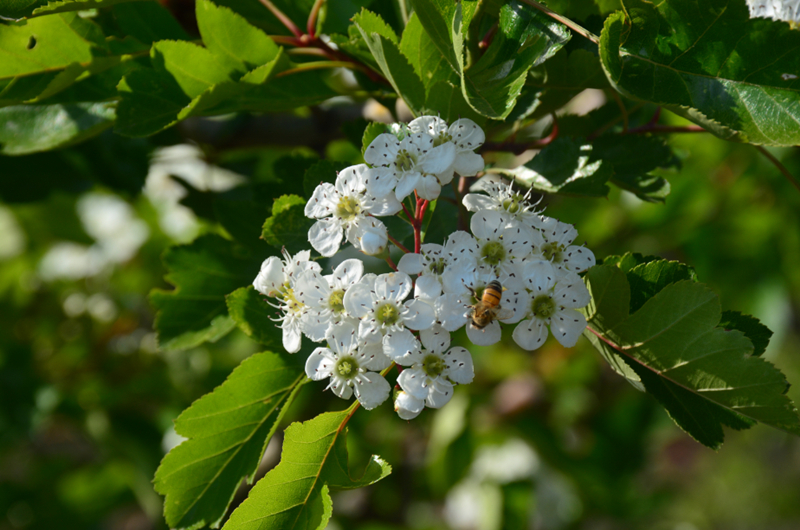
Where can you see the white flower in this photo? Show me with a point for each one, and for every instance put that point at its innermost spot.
(434, 259)
(277, 279)
(555, 246)
(412, 163)
(407, 406)
(552, 302)
(324, 298)
(430, 373)
(359, 192)
(500, 244)
(351, 366)
(464, 134)
(503, 199)
(788, 10)
(379, 303)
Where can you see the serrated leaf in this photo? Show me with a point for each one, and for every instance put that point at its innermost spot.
(34, 128)
(228, 431)
(648, 279)
(382, 43)
(319, 172)
(288, 226)
(296, 493)
(64, 6)
(704, 375)
(203, 273)
(563, 77)
(447, 101)
(428, 62)
(194, 68)
(753, 329)
(251, 312)
(709, 62)
(565, 166)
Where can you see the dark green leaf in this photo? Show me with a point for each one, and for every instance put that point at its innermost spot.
(202, 272)
(448, 102)
(758, 333)
(290, 173)
(704, 375)
(295, 494)
(148, 22)
(322, 171)
(565, 166)
(372, 131)
(563, 77)
(708, 61)
(228, 431)
(251, 312)
(648, 279)
(64, 6)
(288, 227)
(428, 62)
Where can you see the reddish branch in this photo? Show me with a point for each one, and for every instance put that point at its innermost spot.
(778, 165)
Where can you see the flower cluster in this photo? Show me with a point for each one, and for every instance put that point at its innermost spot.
(515, 266)
(788, 10)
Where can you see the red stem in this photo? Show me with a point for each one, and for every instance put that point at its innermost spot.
(778, 165)
(398, 245)
(390, 262)
(312, 19)
(286, 21)
(487, 39)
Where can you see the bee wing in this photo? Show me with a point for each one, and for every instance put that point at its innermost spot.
(504, 313)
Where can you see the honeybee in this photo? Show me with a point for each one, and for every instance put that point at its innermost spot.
(488, 307)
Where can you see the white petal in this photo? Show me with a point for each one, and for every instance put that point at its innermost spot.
(518, 239)
(458, 276)
(571, 292)
(451, 311)
(406, 185)
(380, 207)
(429, 188)
(312, 289)
(461, 245)
(516, 299)
(379, 181)
(561, 233)
(319, 364)
(566, 326)
(487, 336)
(427, 287)
(414, 381)
(530, 334)
(402, 347)
(439, 159)
(382, 150)
(459, 366)
(292, 338)
(435, 339)
(369, 331)
(578, 259)
(411, 263)
(476, 201)
(316, 325)
(271, 277)
(371, 389)
(446, 177)
(407, 406)
(393, 286)
(343, 339)
(487, 225)
(340, 388)
(320, 205)
(350, 180)
(347, 273)
(418, 314)
(358, 299)
(325, 236)
(539, 276)
(466, 134)
(371, 357)
(440, 392)
(468, 164)
(430, 125)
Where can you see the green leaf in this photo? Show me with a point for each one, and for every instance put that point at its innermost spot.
(64, 6)
(288, 227)
(296, 493)
(563, 77)
(565, 166)
(753, 329)
(709, 62)
(704, 375)
(228, 431)
(648, 279)
(231, 38)
(322, 171)
(448, 102)
(203, 272)
(34, 128)
(251, 312)
(194, 68)
(428, 62)
(373, 130)
(148, 22)
(633, 158)
(382, 43)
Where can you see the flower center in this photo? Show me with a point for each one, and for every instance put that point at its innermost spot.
(443, 138)
(348, 208)
(387, 314)
(405, 161)
(511, 205)
(437, 266)
(493, 252)
(543, 306)
(335, 302)
(433, 365)
(292, 304)
(553, 252)
(346, 367)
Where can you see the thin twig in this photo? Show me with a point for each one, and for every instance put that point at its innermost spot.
(312, 19)
(622, 109)
(778, 165)
(390, 262)
(583, 32)
(286, 21)
(398, 244)
(665, 129)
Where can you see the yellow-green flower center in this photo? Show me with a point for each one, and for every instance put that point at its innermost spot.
(346, 367)
(433, 365)
(543, 306)
(335, 302)
(442, 138)
(292, 303)
(437, 266)
(387, 314)
(405, 161)
(348, 208)
(493, 252)
(511, 205)
(553, 252)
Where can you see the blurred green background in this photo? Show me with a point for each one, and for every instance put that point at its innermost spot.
(546, 440)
